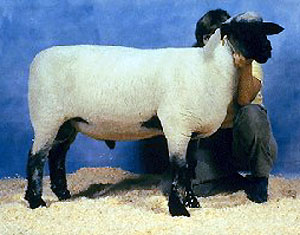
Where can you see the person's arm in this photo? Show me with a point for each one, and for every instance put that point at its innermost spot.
(248, 85)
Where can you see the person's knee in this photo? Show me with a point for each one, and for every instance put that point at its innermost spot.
(252, 121)
(254, 138)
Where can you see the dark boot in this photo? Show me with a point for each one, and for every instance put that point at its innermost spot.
(257, 189)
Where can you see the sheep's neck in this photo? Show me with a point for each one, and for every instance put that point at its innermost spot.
(215, 95)
(223, 62)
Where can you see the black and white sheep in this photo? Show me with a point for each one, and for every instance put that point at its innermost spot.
(118, 93)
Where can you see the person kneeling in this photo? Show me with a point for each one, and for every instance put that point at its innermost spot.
(245, 141)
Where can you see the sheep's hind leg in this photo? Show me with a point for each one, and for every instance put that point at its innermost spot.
(43, 142)
(35, 169)
(57, 157)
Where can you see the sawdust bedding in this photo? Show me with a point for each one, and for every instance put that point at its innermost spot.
(113, 201)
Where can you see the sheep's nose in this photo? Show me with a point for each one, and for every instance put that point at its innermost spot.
(267, 45)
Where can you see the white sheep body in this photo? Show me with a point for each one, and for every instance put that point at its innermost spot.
(116, 89)
(117, 93)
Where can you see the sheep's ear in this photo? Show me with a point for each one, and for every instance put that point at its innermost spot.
(271, 28)
(225, 30)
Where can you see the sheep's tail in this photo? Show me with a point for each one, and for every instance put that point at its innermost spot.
(212, 44)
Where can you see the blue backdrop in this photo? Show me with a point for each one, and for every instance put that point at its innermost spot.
(28, 26)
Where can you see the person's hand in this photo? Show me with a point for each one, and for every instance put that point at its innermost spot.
(240, 61)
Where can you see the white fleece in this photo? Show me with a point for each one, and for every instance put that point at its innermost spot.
(116, 89)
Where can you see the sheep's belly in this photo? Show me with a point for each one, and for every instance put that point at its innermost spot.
(117, 131)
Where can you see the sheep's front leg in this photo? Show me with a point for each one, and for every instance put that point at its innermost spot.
(181, 190)
(190, 199)
(176, 201)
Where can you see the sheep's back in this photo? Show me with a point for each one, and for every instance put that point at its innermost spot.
(101, 82)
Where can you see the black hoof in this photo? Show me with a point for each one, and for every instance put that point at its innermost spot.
(35, 202)
(64, 195)
(257, 189)
(176, 207)
(191, 202)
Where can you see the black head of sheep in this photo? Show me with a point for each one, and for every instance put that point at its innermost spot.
(249, 37)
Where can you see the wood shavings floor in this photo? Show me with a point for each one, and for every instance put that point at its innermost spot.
(112, 201)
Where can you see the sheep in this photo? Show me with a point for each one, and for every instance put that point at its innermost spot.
(119, 93)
